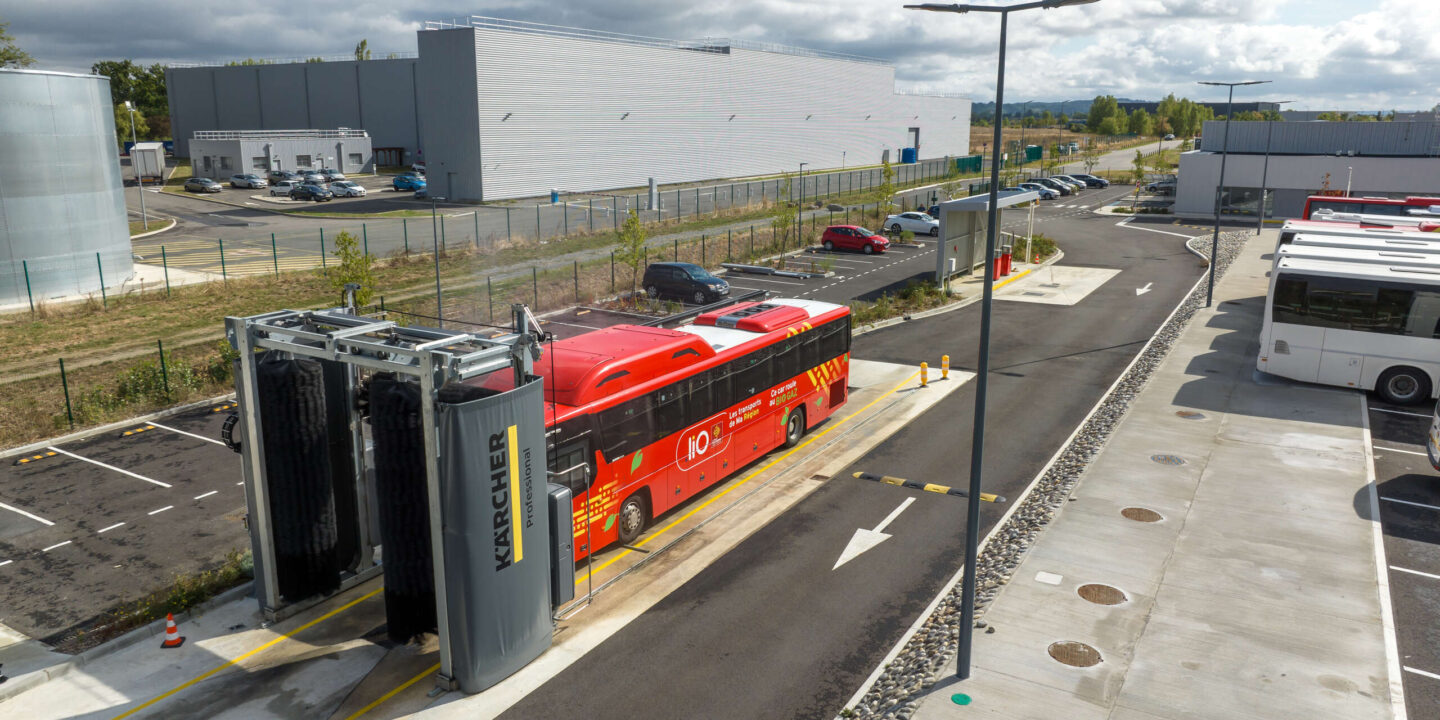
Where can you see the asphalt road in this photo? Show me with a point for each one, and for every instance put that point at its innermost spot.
(1410, 517)
(770, 630)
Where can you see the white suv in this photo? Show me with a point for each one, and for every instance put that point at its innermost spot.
(283, 188)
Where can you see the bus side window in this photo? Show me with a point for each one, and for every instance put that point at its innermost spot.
(568, 456)
(700, 400)
(720, 386)
(809, 349)
(626, 428)
(1289, 306)
(754, 375)
(834, 340)
(669, 403)
(786, 363)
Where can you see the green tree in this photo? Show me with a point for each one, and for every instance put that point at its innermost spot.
(122, 125)
(1090, 155)
(783, 215)
(886, 189)
(1139, 122)
(355, 266)
(630, 251)
(143, 86)
(1137, 167)
(1108, 126)
(1047, 118)
(247, 62)
(10, 54)
(1102, 107)
(315, 60)
(362, 50)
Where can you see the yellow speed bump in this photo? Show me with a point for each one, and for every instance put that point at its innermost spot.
(137, 430)
(33, 458)
(928, 487)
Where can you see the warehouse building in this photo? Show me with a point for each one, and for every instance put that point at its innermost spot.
(502, 109)
(1368, 159)
(63, 228)
(219, 154)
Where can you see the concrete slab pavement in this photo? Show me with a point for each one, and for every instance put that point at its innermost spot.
(1252, 594)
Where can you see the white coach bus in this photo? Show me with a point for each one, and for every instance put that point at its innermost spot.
(1368, 255)
(1359, 325)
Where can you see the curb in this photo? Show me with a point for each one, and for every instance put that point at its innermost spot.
(173, 223)
(966, 302)
(35, 679)
(7, 453)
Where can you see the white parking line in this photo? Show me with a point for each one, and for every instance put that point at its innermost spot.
(36, 518)
(3, 563)
(777, 282)
(182, 432)
(1430, 675)
(1401, 412)
(1407, 502)
(1381, 448)
(1415, 572)
(56, 545)
(108, 529)
(108, 467)
(200, 497)
(157, 512)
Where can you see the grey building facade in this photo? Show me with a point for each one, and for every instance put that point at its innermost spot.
(219, 154)
(63, 224)
(378, 95)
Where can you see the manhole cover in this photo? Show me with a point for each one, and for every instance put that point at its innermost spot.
(1190, 414)
(1102, 594)
(1168, 459)
(1140, 514)
(1075, 654)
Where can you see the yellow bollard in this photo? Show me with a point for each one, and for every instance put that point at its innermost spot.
(944, 367)
(924, 374)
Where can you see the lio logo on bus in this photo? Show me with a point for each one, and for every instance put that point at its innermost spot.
(700, 442)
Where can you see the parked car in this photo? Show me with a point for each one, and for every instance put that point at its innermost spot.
(1045, 192)
(1077, 184)
(283, 188)
(347, 188)
(1169, 136)
(311, 191)
(313, 177)
(1432, 441)
(418, 168)
(247, 180)
(917, 222)
(275, 176)
(852, 237)
(1055, 185)
(423, 193)
(933, 211)
(199, 184)
(686, 281)
(1091, 180)
(1162, 187)
(331, 174)
(407, 182)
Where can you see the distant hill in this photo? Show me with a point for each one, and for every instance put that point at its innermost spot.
(1071, 107)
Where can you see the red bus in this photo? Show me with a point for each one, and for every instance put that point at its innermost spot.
(1369, 205)
(659, 415)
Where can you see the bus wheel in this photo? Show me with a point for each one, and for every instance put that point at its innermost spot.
(1403, 385)
(634, 513)
(795, 426)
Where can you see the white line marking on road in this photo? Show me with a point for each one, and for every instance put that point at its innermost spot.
(1382, 448)
(108, 529)
(1407, 502)
(212, 492)
(777, 282)
(864, 539)
(108, 467)
(56, 545)
(157, 512)
(182, 432)
(3, 563)
(1415, 572)
(1401, 412)
(1125, 224)
(1430, 675)
(1142, 291)
(36, 518)
(242, 482)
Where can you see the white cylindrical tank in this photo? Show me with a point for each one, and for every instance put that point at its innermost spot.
(62, 209)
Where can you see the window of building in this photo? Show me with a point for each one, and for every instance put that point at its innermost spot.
(356, 160)
(1246, 201)
(303, 161)
(258, 163)
(208, 163)
(225, 162)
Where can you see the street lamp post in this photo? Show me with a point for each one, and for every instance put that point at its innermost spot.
(800, 207)
(1220, 185)
(1024, 154)
(435, 237)
(977, 444)
(1265, 174)
(139, 179)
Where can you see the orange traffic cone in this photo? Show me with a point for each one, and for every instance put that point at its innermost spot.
(172, 633)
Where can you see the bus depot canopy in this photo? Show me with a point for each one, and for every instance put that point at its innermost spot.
(962, 231)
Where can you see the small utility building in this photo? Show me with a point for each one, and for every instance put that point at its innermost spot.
(219, 154)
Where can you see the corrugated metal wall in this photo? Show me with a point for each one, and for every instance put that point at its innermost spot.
(374, 95)
(61, 196)
(580, 114)
(1397, 139)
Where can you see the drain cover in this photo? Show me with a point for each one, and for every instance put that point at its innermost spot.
(1140, 514)
(1168, 459)
(1102, 594)
(1075, 654)
(1190, 414)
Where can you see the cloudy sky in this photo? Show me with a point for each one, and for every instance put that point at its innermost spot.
(1324, 54)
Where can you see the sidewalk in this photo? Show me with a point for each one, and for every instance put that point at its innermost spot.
(1217, 559)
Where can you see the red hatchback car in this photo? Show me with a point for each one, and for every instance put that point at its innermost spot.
(851, 237)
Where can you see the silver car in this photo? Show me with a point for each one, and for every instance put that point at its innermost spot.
(1045, 192)
(246, 180)
(347, 188)
(916, 222)
(332, 174)
(1077, 184)
(313, 177)
(283, 188)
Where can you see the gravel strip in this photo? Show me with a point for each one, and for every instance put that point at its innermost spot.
(930, 653)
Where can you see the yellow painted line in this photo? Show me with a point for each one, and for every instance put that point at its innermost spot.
(747, 479)
(433, 669)
(262, 648)
(1011, 279)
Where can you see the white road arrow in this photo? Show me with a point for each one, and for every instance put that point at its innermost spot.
(1142, 291)
(866, 539)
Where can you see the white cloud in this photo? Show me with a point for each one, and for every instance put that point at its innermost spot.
(1378, 56)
